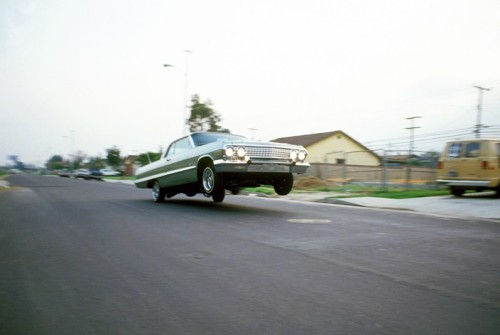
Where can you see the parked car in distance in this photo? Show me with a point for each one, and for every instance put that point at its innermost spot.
(87, 174)
(64, 173)
(211, 163)
(15, 171)
(109, 172)
(470, 165)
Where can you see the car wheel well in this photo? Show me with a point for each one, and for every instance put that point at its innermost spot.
(202, 163)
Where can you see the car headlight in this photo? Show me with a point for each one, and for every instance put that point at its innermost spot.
(302, 155)
(229, 152)
(293, 155)
(241, 152)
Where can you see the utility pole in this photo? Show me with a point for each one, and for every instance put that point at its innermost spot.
(479, 109)
(410, 151)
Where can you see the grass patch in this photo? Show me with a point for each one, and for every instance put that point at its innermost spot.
(402, 194)
(353, 191)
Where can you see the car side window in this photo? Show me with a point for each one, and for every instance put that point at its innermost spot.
(472, 149)
(454, 150)
(178, 147)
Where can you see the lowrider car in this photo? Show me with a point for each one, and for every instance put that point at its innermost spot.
(211, 163)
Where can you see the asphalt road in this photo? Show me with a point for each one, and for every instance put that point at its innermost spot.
(89, 257)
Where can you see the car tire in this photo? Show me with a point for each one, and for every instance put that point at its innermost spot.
(283, 185)
(212, 184)
(157, 192)
(458, 192)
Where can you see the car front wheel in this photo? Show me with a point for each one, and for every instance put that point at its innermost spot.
(283, 185)
(212, 184)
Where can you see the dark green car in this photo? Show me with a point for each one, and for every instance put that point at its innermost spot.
(211, 163)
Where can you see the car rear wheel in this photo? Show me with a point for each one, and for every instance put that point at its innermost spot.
(283, 185)
(158, 194)
(212, 184)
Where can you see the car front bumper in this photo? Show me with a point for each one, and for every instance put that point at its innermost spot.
(224, 166)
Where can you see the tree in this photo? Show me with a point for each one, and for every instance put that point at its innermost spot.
(148, 157)
(78, 159)
(204, 117)
(55, 162)
(96, 163)
(113, 157)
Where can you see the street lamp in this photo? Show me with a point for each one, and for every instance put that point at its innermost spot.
(71, 138)
(185, 100)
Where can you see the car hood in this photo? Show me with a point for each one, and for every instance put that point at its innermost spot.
(263, 144)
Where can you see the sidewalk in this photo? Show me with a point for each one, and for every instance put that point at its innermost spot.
(481, 205)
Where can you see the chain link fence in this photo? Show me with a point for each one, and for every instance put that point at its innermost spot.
(395, 171)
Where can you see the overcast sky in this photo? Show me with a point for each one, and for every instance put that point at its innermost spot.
(93, 69)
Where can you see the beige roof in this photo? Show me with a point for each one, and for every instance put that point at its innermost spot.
(310, 139)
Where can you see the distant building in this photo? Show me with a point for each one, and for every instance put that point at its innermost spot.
(130, 165)
(334, 147)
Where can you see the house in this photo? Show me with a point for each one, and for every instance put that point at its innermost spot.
(334, 147)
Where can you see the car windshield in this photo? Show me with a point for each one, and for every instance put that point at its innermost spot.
(205, 138)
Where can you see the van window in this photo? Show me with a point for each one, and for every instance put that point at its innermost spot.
(454, 150)
(472, 149)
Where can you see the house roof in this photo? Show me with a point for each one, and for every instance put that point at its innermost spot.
(310, 139)
(307, 140)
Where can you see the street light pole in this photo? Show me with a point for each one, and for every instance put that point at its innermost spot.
(71, 138)
(186, 92)
(185, 102)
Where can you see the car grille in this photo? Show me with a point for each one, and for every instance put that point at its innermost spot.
(268, 153)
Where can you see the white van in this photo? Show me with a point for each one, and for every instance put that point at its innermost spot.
(470, 165)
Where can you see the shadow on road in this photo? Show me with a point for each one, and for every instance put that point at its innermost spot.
(201, 204)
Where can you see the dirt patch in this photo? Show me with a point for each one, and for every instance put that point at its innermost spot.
(307, 182)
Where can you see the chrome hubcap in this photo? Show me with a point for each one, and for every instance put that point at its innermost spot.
(155, 191)
(208, 180)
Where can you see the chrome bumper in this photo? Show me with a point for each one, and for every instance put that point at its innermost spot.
(465, 183)
(259, 167)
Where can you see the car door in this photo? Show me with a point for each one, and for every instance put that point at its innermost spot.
(178, 161)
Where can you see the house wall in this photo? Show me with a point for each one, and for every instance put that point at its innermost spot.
(338, 147)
